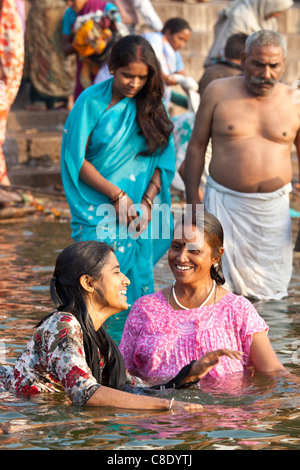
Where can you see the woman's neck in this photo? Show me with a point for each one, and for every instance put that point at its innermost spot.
(191, 289)
(193, 295)
(116, 96)
(98, 313)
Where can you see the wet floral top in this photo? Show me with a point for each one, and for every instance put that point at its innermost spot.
(54, 360)
(158, 341)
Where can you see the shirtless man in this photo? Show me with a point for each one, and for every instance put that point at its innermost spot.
(253, 121)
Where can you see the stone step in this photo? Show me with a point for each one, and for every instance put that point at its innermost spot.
(33, 149)
(36, 177)
(33, 138)
(201, 16)
(21, 119)
(289, 21)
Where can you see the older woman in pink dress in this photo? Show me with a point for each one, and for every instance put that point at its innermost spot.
(183, 322)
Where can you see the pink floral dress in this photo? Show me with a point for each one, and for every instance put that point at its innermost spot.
(158, 341)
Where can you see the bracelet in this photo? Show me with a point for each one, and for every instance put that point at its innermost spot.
(147, 198)
(171, 404)
(121, 193)
(158, 188)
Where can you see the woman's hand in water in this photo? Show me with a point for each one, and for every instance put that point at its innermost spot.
(208, 361)
(185, 406)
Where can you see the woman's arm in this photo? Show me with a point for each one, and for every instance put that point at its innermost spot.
(147, 200)
(154, 185)
(263, 356)
(122, 203)
(105, 396)
(93, 178)
(202, 366)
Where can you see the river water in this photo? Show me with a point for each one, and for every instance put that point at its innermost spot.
(243, 412)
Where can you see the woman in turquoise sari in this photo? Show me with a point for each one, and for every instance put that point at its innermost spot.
(118, 163)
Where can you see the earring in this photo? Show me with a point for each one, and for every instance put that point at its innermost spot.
(216, 266)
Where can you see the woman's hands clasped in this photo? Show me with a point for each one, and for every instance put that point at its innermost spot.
(128, 215)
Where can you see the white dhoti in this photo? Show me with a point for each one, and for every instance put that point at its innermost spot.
(257, 239)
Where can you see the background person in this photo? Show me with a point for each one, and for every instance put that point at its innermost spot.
(118, 155)
(51, 73)
(11, 69)
(167, 44)
(86, 69)
(250, 171)
(245, 16)
(130, 10)
(229, 64)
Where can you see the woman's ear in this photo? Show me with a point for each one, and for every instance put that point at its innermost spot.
(87, 283)
(218, 259)
(167, 33)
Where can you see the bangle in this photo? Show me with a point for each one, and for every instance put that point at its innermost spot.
(171, 404)
(158, 188)
(147, 198)
(121, 193)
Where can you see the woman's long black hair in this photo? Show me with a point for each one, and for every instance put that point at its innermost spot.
(152, 116)
(78, 259)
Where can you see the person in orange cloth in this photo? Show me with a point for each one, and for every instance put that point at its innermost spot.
(11, 69)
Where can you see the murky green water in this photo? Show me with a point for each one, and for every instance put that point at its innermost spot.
(243, 413)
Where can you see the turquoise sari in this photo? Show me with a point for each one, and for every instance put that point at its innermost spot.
(114, 144)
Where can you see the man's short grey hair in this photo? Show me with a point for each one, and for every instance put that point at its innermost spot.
(265, 37)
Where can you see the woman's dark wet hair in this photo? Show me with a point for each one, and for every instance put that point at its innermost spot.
(83, 258)
(214, 236)
(175, 25)
(79, 259)
(152, 117)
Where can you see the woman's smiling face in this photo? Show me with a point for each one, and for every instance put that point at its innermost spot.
(190, 256)
(113, 284)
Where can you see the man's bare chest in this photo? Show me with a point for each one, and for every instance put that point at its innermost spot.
(246, 118)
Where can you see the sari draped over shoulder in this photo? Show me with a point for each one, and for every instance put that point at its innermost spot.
(114, 142)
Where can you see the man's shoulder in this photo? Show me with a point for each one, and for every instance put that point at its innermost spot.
(288, 94)
(221, 86)
(223, 82)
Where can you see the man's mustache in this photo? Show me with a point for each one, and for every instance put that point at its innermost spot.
(263, 81)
